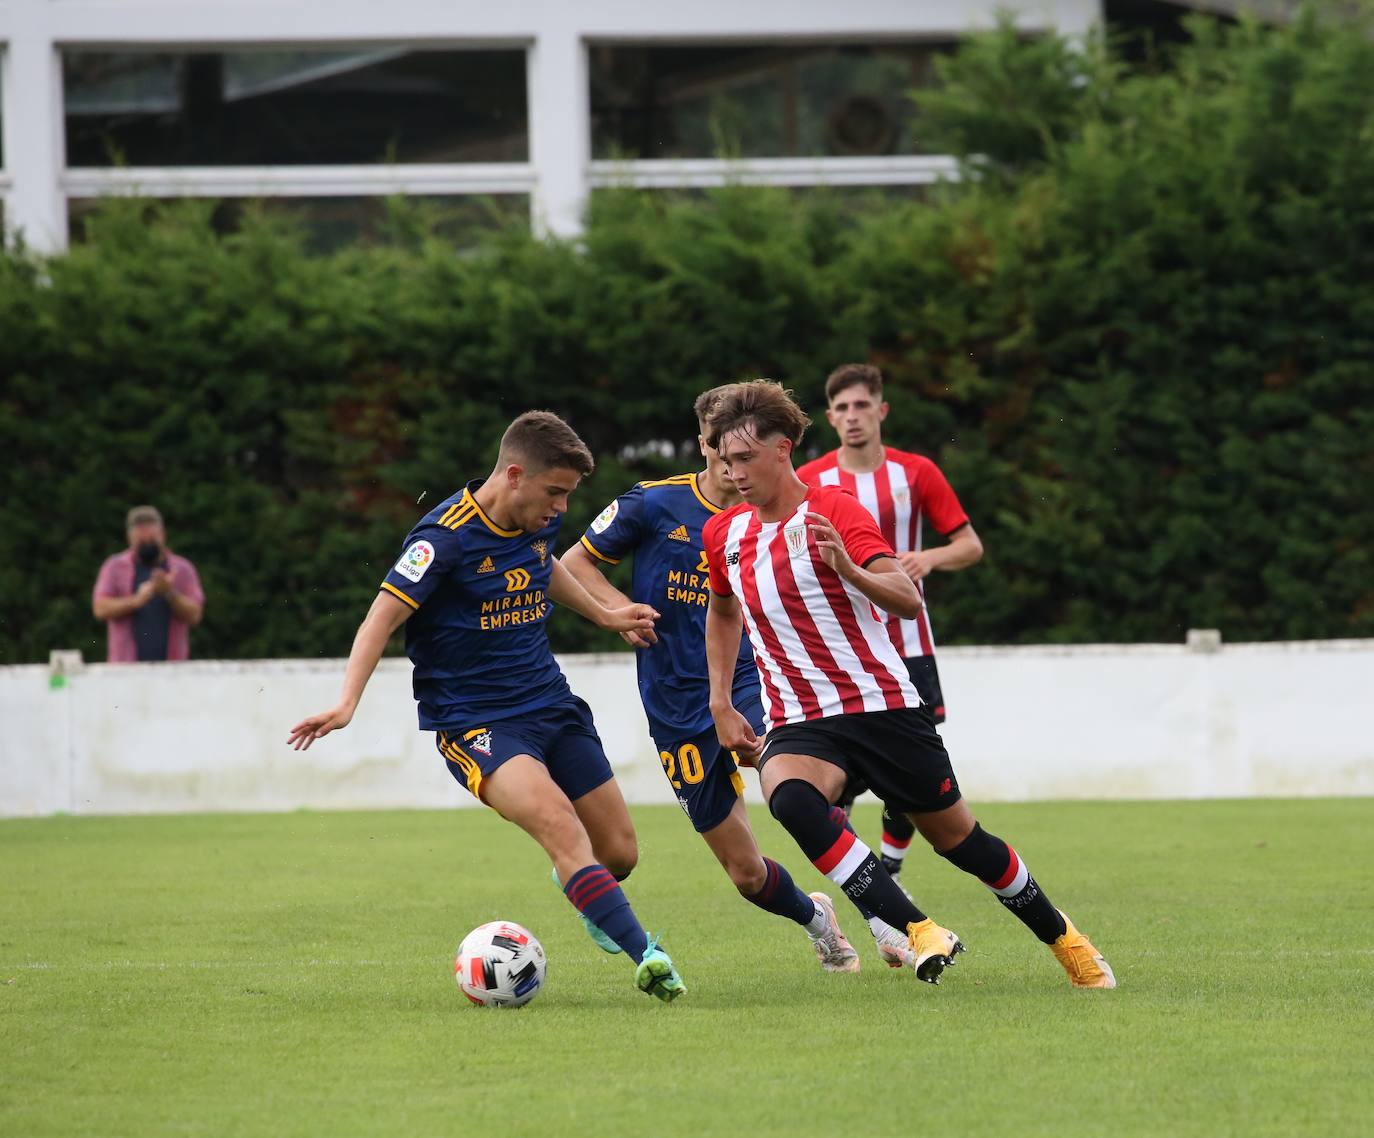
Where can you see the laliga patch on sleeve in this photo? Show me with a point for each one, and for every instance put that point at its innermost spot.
(606, 517)
(415, 560)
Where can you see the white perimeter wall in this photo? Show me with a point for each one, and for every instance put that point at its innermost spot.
(1151, 721)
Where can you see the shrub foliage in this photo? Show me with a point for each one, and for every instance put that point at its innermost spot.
(1137, 336)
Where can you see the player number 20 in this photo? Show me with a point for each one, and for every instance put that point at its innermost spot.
(687, 762)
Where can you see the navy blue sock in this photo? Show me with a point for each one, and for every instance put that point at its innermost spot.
(598, 896)
(780, 895)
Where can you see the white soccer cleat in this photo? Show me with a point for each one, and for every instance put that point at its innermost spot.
(833, 949)
(893, 948)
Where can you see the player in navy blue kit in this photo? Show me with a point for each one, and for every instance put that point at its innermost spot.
(659, 523)
(473, 587)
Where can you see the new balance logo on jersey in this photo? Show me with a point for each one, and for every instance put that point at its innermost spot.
(679, 534)
(487, 566)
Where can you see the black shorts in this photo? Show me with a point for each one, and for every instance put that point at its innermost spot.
(898, 754)
(925, 677)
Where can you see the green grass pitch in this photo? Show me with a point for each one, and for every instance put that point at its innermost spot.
(291, 975)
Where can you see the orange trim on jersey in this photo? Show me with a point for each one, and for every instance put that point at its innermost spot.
(491, 525)
(456, 519)
(395, 592)
(671, 480)
(590, 548)
(702, 498)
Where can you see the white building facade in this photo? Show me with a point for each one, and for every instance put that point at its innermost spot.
(531, 103)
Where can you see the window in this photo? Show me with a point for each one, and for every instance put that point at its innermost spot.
(294, 108)
(758, 101)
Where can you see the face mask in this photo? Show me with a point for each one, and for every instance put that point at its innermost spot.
(149, 552)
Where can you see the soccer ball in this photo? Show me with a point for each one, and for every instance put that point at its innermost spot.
(500, 965)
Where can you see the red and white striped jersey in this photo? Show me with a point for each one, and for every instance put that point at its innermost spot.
(819, 644)
(900, 495)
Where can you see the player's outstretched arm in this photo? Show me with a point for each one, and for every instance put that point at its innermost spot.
(884, 582)
(386, 615)
(587, 572)
(566, 590)
(963, 549)
(724, 626)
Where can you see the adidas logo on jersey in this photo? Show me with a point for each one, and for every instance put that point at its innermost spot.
(679, 534)
(487, 566)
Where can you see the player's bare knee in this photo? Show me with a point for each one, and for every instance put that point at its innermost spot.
(560, 832)
(619, 853)
(748, 876)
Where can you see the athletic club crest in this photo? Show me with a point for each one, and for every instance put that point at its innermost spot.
(479, 741)
(795, 537)
(541, 548)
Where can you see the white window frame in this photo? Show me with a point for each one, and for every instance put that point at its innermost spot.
(560, 173)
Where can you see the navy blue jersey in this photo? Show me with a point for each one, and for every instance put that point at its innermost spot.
(660, 524)
(480, 595)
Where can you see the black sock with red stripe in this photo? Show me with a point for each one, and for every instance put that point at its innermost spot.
(780, 895)
(897, 833)
(599, 898)
(838, 853)
(997, 866)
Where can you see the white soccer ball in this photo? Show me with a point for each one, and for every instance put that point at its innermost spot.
(500, 965)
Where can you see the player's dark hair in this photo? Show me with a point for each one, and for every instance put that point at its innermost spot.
(540, 440)
(706, 403)
(852, 375)
(761, 405)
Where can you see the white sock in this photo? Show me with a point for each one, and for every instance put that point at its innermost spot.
(818, 924)
(877, 926)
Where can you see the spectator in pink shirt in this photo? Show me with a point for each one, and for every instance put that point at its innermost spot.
(148, 596)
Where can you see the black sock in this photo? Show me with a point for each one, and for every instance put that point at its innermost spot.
(897, 832)
(996, 865)
(839, 854)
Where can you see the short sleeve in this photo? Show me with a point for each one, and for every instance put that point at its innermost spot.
(431, 554)
(189, 585)
(863, 541)
(618, 529)
(938, 501)
(107, 580)
(713, 542)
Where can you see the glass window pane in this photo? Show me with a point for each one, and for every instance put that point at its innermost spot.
(294, 108)
(758, 101)
(332, 223)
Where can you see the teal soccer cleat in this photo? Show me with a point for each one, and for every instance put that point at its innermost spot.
(600, 939)
(657, 976)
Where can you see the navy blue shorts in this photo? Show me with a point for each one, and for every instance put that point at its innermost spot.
(561, 736)
(704, 776)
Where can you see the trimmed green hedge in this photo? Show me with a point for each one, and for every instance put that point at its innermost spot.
(1138, 339)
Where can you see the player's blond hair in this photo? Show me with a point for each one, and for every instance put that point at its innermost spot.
(762, 406)
(540, 440)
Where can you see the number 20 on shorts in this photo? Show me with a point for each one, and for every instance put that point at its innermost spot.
(687, 763)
